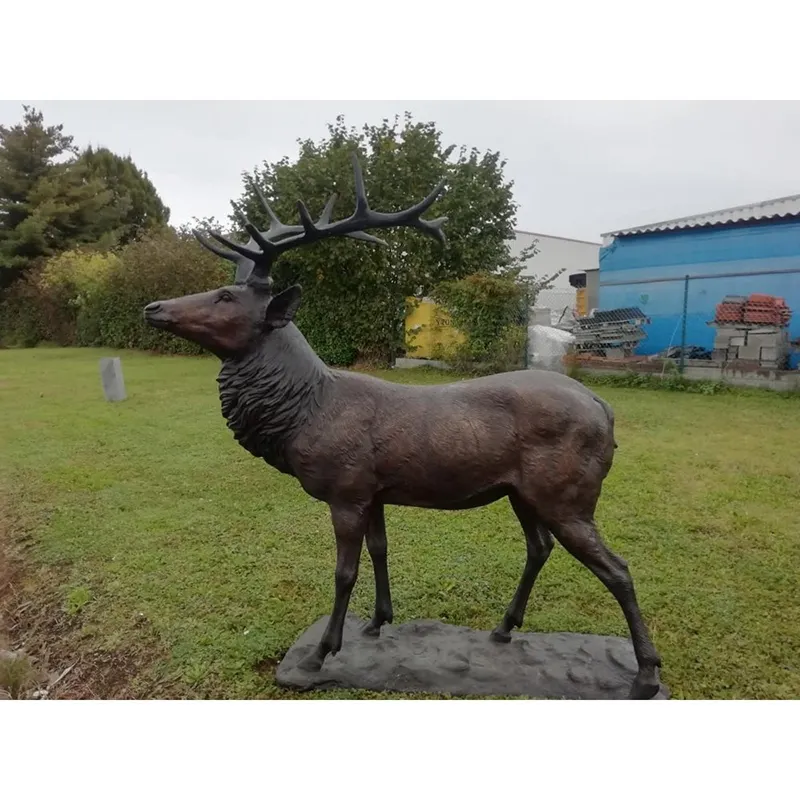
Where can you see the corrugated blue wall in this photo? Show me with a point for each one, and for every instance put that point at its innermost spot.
(633, 269)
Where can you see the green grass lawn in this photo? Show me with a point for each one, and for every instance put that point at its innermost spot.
(161, 535)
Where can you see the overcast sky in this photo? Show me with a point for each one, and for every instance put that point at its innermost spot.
(579, 169)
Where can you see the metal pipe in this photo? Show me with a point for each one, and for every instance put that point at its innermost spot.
(682, 363)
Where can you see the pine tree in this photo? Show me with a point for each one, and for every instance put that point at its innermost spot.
(136, 200)
(53, 198)
(28, 152)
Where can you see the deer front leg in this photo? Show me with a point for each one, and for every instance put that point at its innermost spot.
(376, 544)
(350, 525)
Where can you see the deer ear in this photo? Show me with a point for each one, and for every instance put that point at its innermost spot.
(283, 307)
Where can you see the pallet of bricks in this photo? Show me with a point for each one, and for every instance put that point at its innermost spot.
(753, 328)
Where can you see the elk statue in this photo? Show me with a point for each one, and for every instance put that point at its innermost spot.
(357, 443)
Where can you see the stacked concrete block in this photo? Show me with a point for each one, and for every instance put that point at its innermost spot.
(752, 328)
(767, 344)
(772, 344)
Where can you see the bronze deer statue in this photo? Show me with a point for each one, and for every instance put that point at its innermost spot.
(357, 442)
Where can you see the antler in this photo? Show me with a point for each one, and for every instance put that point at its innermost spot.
(254, 265)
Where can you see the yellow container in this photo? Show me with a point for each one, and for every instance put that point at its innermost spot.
(581, 302)
(427, 326)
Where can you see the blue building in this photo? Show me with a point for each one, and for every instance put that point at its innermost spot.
(735, 251)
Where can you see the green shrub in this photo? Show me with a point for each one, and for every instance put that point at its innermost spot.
(31, 313)
(490, 312)
(78, 273)
(89, 298)
(22, 318)
(165, 264)
(670, 381)
(46, 305)
(75, 281)
(331, 324)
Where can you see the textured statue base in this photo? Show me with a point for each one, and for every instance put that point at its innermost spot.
(435, 658)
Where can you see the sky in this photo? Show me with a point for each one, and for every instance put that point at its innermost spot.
(579, 169)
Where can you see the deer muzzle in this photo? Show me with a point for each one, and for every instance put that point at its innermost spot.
(157, 314)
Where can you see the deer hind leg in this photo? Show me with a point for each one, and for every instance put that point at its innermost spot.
(581, 539)
(350, 526)
(376, 544)
(539, 544)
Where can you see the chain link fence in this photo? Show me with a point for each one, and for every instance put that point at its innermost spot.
(561, 303)
(498, 344)
(521, 338)
(534, 336)
(741, 321)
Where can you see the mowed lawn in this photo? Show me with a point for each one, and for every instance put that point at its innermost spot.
(158, 531)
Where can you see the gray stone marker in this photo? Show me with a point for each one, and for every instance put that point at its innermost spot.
(111, 377)
(430, 656)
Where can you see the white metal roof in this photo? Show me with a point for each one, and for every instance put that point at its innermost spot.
(767, 209)
(562, 238)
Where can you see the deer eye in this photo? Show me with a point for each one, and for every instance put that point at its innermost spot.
(225, 297)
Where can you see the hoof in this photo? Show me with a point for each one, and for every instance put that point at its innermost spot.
(500, 636)
(644, 689)
(312, 662)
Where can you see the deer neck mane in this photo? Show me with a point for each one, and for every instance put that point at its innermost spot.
(272, 392)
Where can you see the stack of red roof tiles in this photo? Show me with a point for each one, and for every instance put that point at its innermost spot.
(758, 309)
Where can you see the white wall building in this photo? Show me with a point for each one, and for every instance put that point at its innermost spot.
(556, 253)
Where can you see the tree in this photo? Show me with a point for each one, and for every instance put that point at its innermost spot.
(28, 152)
(69, 207)
(53, 199)
(355, 294)
(138, 207)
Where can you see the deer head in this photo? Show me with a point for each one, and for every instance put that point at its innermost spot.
(229, 321)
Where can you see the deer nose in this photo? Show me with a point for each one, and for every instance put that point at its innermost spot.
(152, 308)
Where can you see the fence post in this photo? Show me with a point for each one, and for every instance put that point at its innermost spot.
(682, 362)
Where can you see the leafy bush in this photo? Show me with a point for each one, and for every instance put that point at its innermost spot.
(329, 334)
(32, 311)
(24, 317)
(78, 273)
(162, 265)
(74, 281)
(490, 310)
(96, 299)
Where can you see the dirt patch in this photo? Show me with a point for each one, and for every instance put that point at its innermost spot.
(21, 674)
(267, 666)
(43, 653)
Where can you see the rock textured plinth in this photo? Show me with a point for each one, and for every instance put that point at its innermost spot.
(435, 658)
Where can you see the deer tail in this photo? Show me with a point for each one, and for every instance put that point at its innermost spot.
(610, 416)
